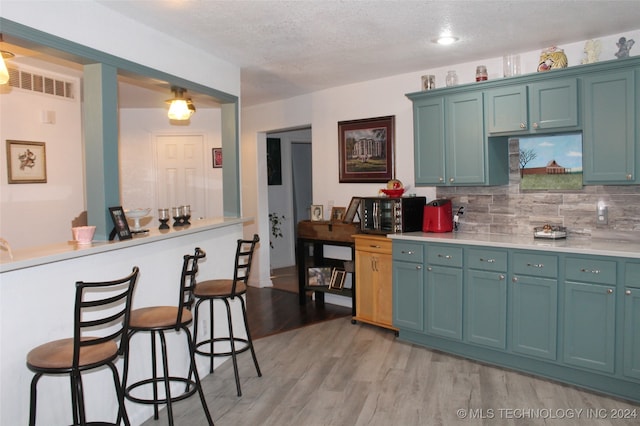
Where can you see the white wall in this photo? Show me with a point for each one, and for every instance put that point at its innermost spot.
(324, 109)
(138, 130)
(41, 213)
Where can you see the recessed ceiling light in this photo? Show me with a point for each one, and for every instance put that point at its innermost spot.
(446, 40)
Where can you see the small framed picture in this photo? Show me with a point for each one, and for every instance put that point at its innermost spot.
(352, 210)
(337, 214)
(26, 162)
(120, 225)
(217, 157)
(317, 212)
(337, 279)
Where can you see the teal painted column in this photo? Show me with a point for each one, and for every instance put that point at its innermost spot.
(100, 110)
(231, 164)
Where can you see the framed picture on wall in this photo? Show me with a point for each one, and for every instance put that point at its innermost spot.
(217, 157)
(120, 225)
(26, 162)
(366, 150)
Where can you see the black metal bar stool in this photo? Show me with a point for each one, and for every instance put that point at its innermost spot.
(227, 290)
(100, 308)
(158, 319)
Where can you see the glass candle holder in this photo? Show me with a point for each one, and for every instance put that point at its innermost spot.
(481, 73)
(163, 217)
(176, 213)
(186, 214)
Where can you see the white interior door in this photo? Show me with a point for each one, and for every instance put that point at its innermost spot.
(180, 172)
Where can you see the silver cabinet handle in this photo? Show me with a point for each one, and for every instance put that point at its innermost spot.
(487, 260)
(609, 291)
(406, 252)
(429, 269)
(514, 279)
(500, 277)
(451, 179)
(446, 256)
(629, 176)
(627, 293)
(535, 265)
(374, 246)
(593, 271)
(418, 267)
(441, 179)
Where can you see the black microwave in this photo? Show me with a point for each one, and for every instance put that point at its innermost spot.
(383, 215)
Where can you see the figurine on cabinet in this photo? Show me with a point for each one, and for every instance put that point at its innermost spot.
(624, 46)
(552, 58)
(592, 49)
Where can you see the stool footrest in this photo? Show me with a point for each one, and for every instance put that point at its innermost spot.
(236, 341)
(191, 389)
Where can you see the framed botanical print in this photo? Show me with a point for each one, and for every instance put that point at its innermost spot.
(26, 162)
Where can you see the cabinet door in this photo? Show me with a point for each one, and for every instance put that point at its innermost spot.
(485, 308)
(444, 301)
(429, 141)
(408, 296)
(365, 287)
(383, 308)
(507, 110)
(589, 326)
(466, 141)
(534, 316)
(553, 104)
(610, 154)
(632, 332)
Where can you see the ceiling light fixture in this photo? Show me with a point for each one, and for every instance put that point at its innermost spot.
(446, 40)
(4, 72)
(180, 107)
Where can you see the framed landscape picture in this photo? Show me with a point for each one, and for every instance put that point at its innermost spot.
(366, 150)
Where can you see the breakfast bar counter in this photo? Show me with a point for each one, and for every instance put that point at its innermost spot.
(37, 289)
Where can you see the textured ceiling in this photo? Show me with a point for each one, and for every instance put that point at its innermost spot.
(289, 48)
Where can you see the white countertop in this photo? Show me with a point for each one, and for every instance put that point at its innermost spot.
(34, 256)
(601, 247)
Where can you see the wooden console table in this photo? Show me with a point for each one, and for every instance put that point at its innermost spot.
(318, 234)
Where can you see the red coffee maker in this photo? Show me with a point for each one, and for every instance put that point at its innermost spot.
(438, 216)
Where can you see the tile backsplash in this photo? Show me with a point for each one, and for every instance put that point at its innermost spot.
(509, 210)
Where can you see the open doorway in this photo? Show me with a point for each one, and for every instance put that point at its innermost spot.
(290, 196)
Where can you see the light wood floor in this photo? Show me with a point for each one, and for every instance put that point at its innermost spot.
(337, 373)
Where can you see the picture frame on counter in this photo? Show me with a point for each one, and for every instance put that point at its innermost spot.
(26, 162)
(337, 214)
(120, 225)
(337, 279)
(352, 210)
(317, 212)
(366, 150)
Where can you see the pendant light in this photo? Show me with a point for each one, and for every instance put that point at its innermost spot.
(180, 107)
(4, 72)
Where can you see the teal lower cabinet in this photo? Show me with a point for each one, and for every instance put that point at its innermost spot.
(534, 316)
(408, 296)
(444, 301)
(568, 317)
(589, 326)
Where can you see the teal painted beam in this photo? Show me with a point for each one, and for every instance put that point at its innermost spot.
(231, 160)
(100, 110)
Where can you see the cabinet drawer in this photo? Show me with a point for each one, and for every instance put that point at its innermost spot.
(632, 275)
(408, 252)
(591, 270)
(535, 264)
(380, 245)
(444, 255)
(487, 260)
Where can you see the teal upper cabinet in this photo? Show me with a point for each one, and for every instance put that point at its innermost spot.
(609, 139)
(533, 108)
(450, 144)
(429, 144)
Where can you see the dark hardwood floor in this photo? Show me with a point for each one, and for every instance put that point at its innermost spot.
(274, 310)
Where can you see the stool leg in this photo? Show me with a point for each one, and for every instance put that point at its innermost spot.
(211, 335)
(196, 376)
(167, 385)
(154, 375)
(80, 397)
(233, 347)
(246, 326)
(34, 397)
(122, 411)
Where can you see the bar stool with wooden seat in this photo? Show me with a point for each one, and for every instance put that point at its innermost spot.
(102, 309)
(159, 319)
(227, 290)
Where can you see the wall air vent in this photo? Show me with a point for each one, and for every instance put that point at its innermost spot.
(40, 83)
